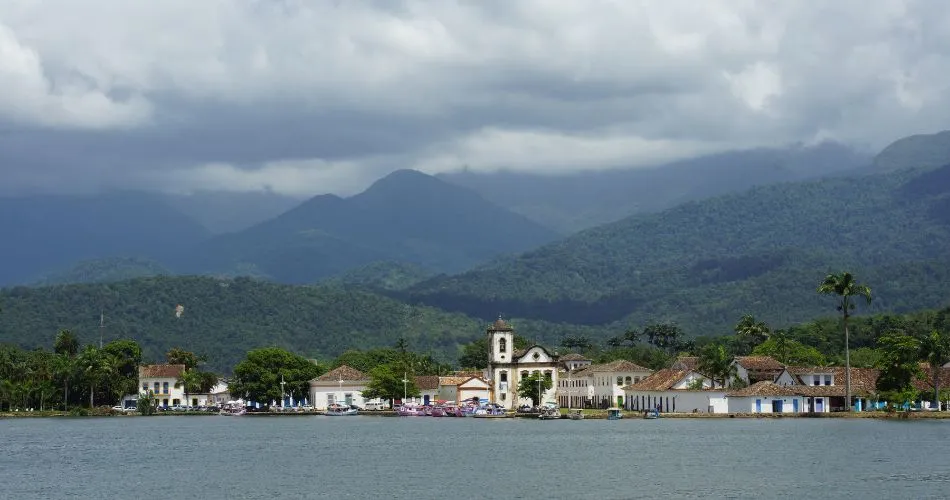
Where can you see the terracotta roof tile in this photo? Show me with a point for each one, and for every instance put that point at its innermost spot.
(764, 388)
(161, 371)
(573, 356)
(462, 373)
(621, 365)
(660, 380)
(343, 372)
(427, 382)
(686, 363)
(452, 380)
(759, 363)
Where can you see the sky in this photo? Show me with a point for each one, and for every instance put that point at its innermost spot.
(305, 96)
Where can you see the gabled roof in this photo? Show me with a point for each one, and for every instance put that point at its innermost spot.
(621, 365)
(573, 356)
(475, 379)
(427, 382)
(445, 381)
(686, 363)
(660, 380)
(342, 372)
(161, 371)
(759, 363)
(522, 352)
(764, 388)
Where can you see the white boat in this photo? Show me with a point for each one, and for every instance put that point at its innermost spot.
(336, 410)
(614, 413)
(576, 414)
(232, 409)
(550, 411)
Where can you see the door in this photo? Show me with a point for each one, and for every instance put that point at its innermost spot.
(425, 399)
(795, 405)
(619, 401)
(348, 398)
(758, 406)
(819, 405)
(777, 406)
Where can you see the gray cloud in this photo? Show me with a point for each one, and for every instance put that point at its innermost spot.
(309, 97)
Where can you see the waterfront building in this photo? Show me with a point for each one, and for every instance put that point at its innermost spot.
(508, 366)
(162, 381)
(823, 387)
(765, 397)
(463, 388)
(679, 391)
(598, 386)
(341, 385)
(752, 369)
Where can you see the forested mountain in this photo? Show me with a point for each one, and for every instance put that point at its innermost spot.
(103, 271)
(702, 264)
(923, 151)
(382, 276)
(581, 200)
(225, 318)
(44, 233)
(406, 217)
(226, 212)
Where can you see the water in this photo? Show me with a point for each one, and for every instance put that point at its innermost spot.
(420, 458)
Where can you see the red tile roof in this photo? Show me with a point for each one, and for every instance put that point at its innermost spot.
(343, 372)
(686, 363)
(764, 388)
(573, 356)
(621, 365)
(161, 371)
(427, 382)
(660, 380)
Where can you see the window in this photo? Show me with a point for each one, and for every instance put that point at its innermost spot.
(619, 380)
(176, 402)
(503, 396)
(144, 386)
(502, 345)
(156, 391)
(164, 387)
(816, 380)
(524, 373)
(547, 374)
(330, 399)
(503, 376)
(536, 355)
(628, 381)
(827, 380)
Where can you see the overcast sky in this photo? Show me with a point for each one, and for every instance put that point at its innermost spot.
(308, 96)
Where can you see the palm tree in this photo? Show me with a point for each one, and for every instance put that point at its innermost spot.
(935, 348)
(751, 333)
(190, 381)
(846, 288)
(96, 367)
(716, 363)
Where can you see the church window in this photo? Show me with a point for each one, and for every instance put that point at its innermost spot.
(536, 355)
(503, 376)
(502, 345)
(524, 373)
(547, 374)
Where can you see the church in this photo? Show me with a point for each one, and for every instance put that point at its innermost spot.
(507, 367)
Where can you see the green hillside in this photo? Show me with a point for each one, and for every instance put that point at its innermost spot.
(223, 319)
(104, 271)
(703, 264)
(915, 151)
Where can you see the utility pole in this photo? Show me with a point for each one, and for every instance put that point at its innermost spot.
(102, 325)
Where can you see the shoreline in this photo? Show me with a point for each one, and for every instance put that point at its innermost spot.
(588, 415)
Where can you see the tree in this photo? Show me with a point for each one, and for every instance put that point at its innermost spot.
(935, 349)
(899, 366)
(715, 362)
(179, 356)
(749, 334)
(847, 289)
(386, 382)
(258, 377)
(96, 367)
(146, 403)
(664, 336)
(578, 342)
(66, 343)
(789, 352)
(534, 386)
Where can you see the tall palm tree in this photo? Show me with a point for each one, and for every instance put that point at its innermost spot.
(935, 348)
(847, 289)
(751, 332)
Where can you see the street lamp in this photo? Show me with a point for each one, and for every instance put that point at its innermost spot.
(539, 389)
(404, 387)
(282, 390)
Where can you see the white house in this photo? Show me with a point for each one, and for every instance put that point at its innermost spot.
(573, 361)
(341, 385)
(507, 367)
(676, 391)
(458, 389)
(162, 381)
(752, 369)
(765, 397)
(823, 388)
(428, 386)
(599, 386)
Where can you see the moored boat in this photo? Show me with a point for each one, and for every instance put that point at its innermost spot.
(232, 409)
(411, 410)
(614, 414)
(651, 414)
(550, 411)
(338, 410)
(576, 415)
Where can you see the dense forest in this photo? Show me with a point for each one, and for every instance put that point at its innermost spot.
(700, 263)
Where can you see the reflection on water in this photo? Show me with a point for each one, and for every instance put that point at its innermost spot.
(419, 458)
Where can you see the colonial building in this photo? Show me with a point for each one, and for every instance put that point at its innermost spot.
(573, 361)
(162, 381)
(598, 386)
(752, 369)
(682, 391)
(341, 385)
(462, 388)
(507, 367)
(765, 397)
(823, 387)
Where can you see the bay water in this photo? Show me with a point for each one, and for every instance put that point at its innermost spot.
(279, 457)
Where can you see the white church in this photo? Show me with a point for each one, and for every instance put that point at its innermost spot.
(506, 366)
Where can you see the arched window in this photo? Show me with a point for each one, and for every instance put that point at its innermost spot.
(502, 345)
(619, 380)
(628, 381)
(503, 376)
(524, 373)
(547, 374)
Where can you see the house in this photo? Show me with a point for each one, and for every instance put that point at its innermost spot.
(765, 397)
(507, 367)
(925, 384)
(686, 363)
(341, 385)
(823, 387)
(752, 369)
(682, 391)
(162, 381)
(217, 395)
(428, 386)
(456, 388)
(599, 386)
(573, 361)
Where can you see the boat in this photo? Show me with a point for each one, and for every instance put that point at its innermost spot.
(550, 411)
(575, 414)
(651, 414)
(338, 410)
(437, 411)
(614, 414)
(490, 410)
(232, 409)
(411, 410)
(451, 409)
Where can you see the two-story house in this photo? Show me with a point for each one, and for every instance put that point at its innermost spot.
(599, 386)
(162, 381)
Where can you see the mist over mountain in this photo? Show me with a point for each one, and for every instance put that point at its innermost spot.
(575, 201)
(226, 211)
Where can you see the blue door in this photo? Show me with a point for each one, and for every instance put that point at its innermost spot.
(425, 399)
(795, 405)
(758, 406)
(819, 405)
